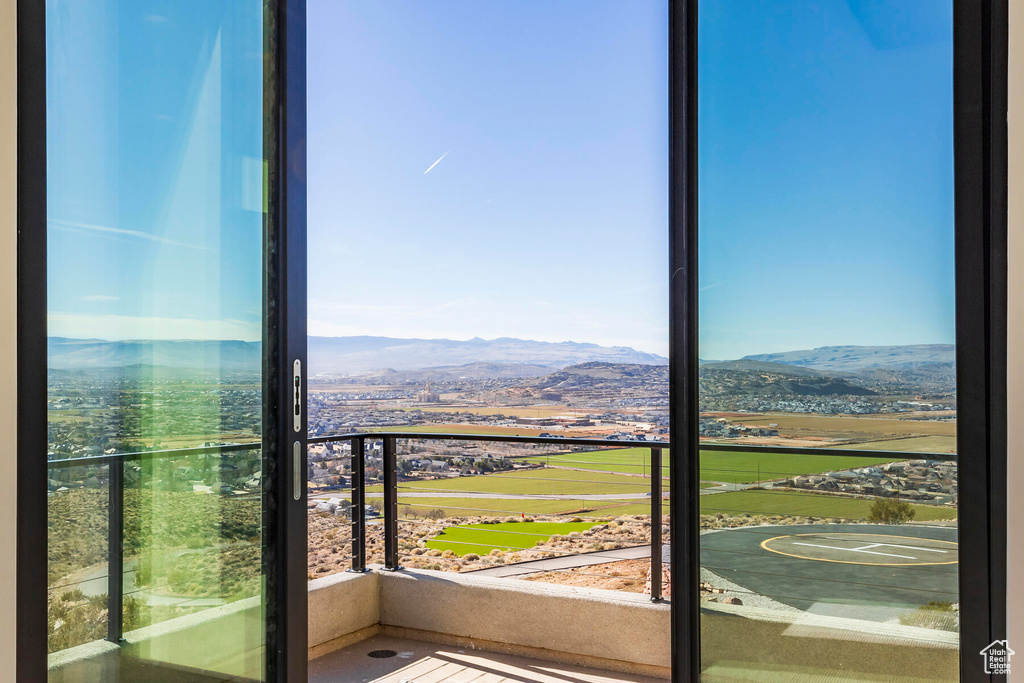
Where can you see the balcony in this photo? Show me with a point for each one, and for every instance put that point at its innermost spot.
(765, 614)
(624, 636)
(416, 660)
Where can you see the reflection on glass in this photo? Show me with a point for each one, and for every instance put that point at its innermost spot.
(827, 323)
(155, 147)
(77, 555)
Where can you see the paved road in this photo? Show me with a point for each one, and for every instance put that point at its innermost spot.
(95, 583)
(566, 562)
(721, 487)
(516, 496)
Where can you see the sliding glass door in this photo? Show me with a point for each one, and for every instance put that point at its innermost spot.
(163, 526)
(830, 512)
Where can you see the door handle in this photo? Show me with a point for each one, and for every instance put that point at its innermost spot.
(297, 395)
(297, 470)
(298, 475)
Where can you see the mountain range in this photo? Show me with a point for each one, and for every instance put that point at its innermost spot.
(336, 355)
(491, 358)
(63, 353)
(856, 358)
(503, 357)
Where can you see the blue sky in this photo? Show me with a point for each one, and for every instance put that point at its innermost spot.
(826, 174)
(500, 169)
(154, 161)
(546, 218)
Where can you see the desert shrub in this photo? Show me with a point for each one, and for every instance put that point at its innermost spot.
(890, 511)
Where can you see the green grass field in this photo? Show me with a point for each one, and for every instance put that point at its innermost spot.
(624, 460)
(468, 507)
(745, 468)
(804, 504)
(911, 444)
(483, 538)
(733, 467)
(753, 502)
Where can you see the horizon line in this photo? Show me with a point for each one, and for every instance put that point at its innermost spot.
(477, 338)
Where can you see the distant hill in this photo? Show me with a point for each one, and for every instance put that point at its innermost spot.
(765, 366)
(218, 356)
(726, 383)
(928, 365)
(595, 374)
(457, 372)
(853, 359)
(488, 358)
(598, 380)
(349, 355)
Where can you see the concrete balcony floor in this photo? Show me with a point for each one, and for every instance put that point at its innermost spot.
(422, 662)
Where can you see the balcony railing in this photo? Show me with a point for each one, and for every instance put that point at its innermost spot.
(115, 470)
(390, 472)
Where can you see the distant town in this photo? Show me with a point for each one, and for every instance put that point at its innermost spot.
(894, 406)
(910, 398)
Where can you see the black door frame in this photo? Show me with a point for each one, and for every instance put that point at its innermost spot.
(684, 364)
(285, 311)
(285, 342)
(980, 36)
(32, 435)
(980, 87)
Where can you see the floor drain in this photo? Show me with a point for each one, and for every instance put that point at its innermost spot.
(383, 654)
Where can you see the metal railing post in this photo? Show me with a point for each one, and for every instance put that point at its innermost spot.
(358, 509)
(656, 481)
(390, 505)
(115, 553)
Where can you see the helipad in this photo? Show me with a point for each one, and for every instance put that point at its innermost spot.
(886, 550)
(861, 571)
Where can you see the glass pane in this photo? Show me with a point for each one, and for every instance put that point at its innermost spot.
(155, 158)
(827, 386)
(77, 567)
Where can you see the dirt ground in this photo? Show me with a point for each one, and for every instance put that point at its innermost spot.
(631, 576)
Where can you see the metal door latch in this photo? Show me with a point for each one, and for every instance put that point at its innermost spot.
(297, 393)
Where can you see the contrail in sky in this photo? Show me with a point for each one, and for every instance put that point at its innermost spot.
(435, 163)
